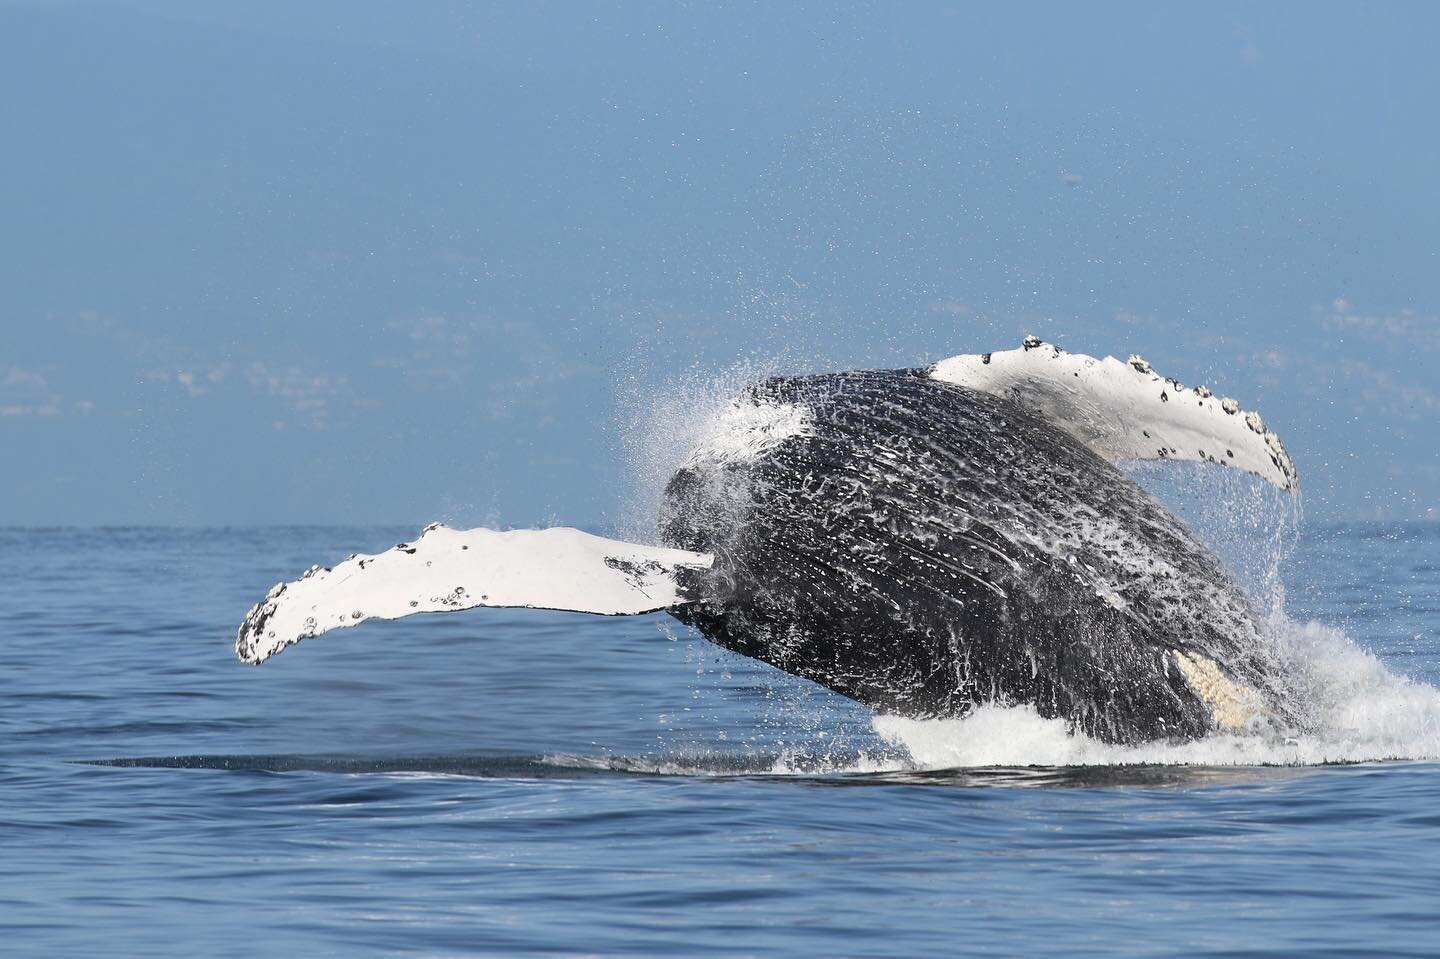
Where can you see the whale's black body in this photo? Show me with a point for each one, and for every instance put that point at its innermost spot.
(923, 548)
(921, 540)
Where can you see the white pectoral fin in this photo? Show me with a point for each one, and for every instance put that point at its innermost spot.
(1125, 410)
(447, 570)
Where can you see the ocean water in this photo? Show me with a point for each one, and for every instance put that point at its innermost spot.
(525, 783)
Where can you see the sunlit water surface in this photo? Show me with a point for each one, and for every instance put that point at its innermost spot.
(530, 782)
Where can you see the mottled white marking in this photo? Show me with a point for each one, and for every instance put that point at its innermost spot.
(746, 428)
(1125, 411)
(448, 570)
(1233, 706)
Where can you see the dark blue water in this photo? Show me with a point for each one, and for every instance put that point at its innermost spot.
(527, 783)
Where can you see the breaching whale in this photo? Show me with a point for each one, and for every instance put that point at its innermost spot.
(921, 540)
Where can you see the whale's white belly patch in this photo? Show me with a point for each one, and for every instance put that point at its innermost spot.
(1233, 705)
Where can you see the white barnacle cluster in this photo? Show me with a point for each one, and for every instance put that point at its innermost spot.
(746, 428)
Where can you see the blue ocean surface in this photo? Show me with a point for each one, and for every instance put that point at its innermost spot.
(527, 783)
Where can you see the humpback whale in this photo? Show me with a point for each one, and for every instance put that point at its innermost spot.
(921, 540)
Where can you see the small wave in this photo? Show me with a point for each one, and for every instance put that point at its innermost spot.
(722, 763)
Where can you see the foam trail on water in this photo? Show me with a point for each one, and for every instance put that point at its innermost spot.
(1365, 713)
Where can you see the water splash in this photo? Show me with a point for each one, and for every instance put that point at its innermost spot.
(1366, 713)
(1250, 525)
(1360, 710)
(662, 422)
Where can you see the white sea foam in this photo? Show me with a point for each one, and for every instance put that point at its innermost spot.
(1365, 713)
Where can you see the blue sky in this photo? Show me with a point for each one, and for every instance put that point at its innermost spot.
(380, 262)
